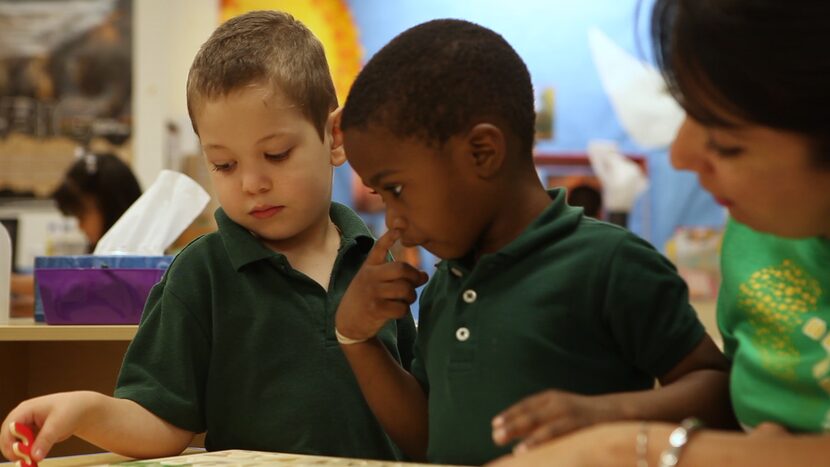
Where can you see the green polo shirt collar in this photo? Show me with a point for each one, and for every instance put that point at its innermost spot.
(556, 221)
(244, 248)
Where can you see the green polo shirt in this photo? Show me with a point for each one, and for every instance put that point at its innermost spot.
(235, 342)
(573, 304)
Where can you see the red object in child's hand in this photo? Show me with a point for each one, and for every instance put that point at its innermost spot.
(23, 447)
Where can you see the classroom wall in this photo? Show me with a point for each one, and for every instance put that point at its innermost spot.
(552, 38)
(550, 35)
(167, 35)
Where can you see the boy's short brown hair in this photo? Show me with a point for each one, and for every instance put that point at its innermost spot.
(264, 47)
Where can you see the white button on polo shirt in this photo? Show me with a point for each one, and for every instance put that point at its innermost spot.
(462, 334)
(469, 296)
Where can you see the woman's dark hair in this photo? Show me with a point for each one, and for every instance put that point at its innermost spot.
(732, 62)
(105, 178)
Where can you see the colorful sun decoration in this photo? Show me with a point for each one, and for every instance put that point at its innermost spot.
(330, 20)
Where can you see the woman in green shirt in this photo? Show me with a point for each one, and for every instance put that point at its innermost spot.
(754, 79)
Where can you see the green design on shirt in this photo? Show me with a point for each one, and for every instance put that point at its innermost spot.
(776, 299)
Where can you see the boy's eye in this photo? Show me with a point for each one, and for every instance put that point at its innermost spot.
(224, 167)
(723, 151)
(396, 190)
(276, 157)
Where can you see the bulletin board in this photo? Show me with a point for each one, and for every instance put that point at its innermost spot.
(65, 83)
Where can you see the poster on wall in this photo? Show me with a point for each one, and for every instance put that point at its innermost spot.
(545, 114)
(65, 86)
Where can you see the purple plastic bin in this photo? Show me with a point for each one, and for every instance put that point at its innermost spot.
(95, 296)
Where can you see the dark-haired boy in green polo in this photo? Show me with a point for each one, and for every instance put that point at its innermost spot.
(533, 301)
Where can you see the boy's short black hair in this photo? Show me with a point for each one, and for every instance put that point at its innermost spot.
(440, 78)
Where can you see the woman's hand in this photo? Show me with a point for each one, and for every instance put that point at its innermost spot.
(609, 445)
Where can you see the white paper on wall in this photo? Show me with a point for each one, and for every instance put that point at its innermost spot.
(637, 93)
(623, 181)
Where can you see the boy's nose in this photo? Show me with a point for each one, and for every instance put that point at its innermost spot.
(688, 151)
(254, 181)
(393, 219)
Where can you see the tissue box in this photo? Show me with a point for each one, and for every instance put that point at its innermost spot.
(95, 289)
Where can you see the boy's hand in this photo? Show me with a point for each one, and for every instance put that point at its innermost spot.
(380, 291)
(54, 418)
(547, 415)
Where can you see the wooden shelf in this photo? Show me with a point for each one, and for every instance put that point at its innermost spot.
(26, 329)
(44, 359)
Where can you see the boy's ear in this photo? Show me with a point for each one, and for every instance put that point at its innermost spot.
(338, 153)
(488, 149)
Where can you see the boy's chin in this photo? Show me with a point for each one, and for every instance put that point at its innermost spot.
(444, 252)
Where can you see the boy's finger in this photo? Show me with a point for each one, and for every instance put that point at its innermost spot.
(395, 308)
(399, 290)
(377, 255)
(46, 438)
(7, 438)
(401, 270)
(526, 405)
(519, 419)
(423, 278)
(6, 454)
(517, 426)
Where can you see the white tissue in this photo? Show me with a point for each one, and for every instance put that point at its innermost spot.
(622, 179)
(156, 218)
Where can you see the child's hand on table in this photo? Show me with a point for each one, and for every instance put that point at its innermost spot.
(547, 415)
(53, 418)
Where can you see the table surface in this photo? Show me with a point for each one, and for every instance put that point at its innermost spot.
(26, 329)
(196, 457)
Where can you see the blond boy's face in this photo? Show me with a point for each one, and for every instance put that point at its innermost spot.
(271, 171)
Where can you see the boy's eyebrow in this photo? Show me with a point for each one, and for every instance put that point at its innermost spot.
(264, 138)
(376, 178)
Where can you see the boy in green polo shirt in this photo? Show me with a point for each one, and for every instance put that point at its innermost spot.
(238, 338)
(533, 301)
